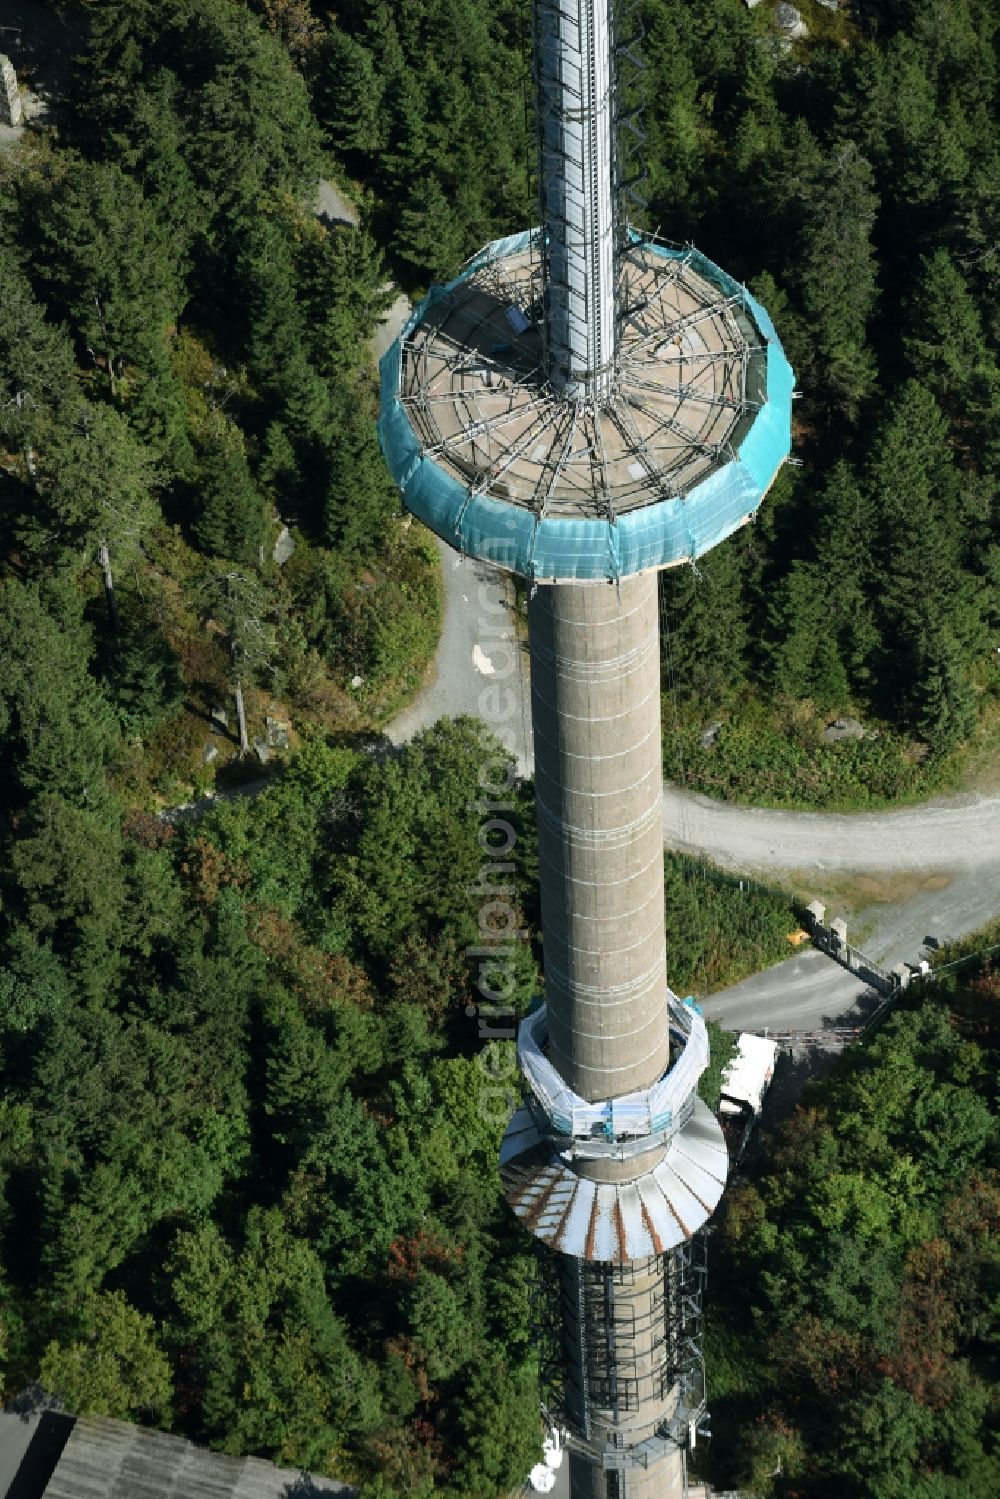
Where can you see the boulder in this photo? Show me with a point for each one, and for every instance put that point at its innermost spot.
(844, 728)
(709, 734)
(283, 547)
(11, 110)
(276, 733)
(789, 20)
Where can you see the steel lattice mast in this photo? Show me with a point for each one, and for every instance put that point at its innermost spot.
(584, 406)
(573, 72)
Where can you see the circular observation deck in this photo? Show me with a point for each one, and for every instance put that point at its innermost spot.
(509, 471)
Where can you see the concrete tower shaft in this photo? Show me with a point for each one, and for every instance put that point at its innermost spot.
(599, 784)
(574, 73)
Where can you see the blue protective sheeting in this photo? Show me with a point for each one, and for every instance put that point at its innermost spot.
(658, 535)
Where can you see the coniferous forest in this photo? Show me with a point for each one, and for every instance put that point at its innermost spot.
(248, 1185)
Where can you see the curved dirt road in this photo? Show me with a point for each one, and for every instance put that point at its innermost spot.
(961, 832)
(479, 666)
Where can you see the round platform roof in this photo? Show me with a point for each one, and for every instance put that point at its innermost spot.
(619, 1221)
(509, 472)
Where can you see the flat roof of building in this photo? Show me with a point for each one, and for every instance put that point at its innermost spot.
(48, 1455)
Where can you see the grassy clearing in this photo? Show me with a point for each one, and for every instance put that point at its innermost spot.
(772, 754)
(977, 765)
(387, 637)
(975, 955)
(721, 928)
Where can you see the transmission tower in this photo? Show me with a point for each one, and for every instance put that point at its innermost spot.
(584, 405)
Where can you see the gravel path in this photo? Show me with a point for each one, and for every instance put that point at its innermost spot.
(479, 667)
(391, 325)
(330, 204)
(41, 41)
(961, 832)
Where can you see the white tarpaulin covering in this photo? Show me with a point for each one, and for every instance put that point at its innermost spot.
(662, 1107)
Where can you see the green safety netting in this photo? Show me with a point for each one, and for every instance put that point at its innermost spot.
(657, 535)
